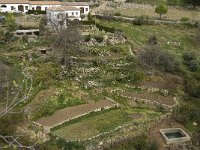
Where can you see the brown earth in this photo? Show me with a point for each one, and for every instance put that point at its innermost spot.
(150, 96)
(65, 114)
(168, 82)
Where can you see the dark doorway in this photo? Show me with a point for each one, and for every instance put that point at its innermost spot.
(38, 8)
(21, 8)
(82, 10)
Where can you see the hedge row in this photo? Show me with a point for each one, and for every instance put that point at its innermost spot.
(36, 12)
(106, 29)
(89, 22)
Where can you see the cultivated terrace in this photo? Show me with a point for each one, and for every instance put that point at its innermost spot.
(108, 82)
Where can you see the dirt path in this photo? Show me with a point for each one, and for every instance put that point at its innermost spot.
(66, 114)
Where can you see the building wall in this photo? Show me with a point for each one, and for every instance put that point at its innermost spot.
(55, 16)
(43, 7)
(14, 7)
(86, 9)
(31, 7)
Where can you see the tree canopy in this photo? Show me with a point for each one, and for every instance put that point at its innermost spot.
(192, 2)
(161, 9)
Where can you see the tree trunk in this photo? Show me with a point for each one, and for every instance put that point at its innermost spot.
(160, 16)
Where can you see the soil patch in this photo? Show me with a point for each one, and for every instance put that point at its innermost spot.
(66, 114)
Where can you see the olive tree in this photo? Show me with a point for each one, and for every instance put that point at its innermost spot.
(161, 9)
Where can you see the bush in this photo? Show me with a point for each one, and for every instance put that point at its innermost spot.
(153, 40)
(47, 73)
(98, 38)
(105, 28)
(188, 56)
(116, 49)
(87, 38)
(191, 87)
(193, 65)
(190, 60)
(141, 20)
(118, 14)
(168, 63)
(88, 22)
(185, 19)
(153, 57)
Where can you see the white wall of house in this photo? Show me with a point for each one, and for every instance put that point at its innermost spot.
(86, 9)
(14, 7)
(43, 7)
(55, 16)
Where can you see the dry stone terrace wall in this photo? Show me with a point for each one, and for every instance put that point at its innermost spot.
(70, 113)
(129, 127)
(151, 99)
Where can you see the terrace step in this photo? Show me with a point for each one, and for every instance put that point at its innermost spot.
(70, 113)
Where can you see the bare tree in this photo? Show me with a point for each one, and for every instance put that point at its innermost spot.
(9, 108)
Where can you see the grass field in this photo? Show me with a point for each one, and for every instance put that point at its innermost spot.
(103, 122)
(172, 39)
(173, 13)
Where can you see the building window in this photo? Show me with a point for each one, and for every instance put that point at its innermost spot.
(33, 8)
(86, 9)
(60, 16)
(72, 13)
(77, 13)
(3, 6)
(26, 7)
(12, 8)
(45, 8)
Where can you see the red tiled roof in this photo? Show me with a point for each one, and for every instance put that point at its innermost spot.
(75, 4)
(14, 1)
(45, 2)
(62, 8)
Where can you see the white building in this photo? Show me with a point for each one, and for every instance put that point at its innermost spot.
(25, 5)
(43, 5)
(62, 14)
(14, 5)
(83, 6)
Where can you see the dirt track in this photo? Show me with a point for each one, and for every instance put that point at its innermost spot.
(66, 114)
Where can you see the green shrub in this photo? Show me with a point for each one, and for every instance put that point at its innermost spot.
(98, 38)
(47, 73)
(168, 63)
(88, 22)
(105, 28)
(153, 57)
(185, 19)
(139, 21)
(118, 14)
(191, 87)
(115, 49)
(190, 60)
(87, 38)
